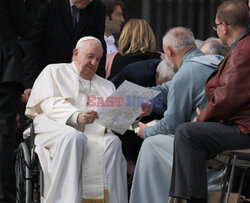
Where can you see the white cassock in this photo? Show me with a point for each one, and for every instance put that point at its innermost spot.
(80, 163)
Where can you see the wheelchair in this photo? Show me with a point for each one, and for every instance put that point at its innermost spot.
(29, 175)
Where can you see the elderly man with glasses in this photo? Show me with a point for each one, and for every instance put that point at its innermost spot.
(224, 123)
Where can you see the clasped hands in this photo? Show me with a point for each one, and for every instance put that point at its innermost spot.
(87, 117)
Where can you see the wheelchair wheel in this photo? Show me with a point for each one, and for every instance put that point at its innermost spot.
(23, 174)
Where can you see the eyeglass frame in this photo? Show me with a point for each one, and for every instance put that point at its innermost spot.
(215, 26)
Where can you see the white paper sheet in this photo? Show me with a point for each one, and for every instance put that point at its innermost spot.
(122, 108)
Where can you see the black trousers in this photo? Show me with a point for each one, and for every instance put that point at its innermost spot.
(9, 101)
(194, 144)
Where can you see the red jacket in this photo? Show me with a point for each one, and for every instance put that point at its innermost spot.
(228, 90)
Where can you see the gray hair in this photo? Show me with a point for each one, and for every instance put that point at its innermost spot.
(199, 43)
(214, 45)
(165, 71)
(179, 38)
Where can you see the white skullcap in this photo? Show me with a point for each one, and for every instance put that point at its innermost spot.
(85, 39)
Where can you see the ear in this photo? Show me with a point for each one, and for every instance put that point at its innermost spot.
(107, 19)
(75, 52)
(170, 52)
(166, 50)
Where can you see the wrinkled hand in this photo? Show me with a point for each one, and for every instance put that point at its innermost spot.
(87, 117)
(25, 96)
(198, 111)
(140, 132)
(146, 109)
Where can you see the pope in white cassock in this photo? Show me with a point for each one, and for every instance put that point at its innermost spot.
(81, 161)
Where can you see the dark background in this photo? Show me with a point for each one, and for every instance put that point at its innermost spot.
(198, 15)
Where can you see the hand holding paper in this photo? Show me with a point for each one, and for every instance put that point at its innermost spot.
(126, 106)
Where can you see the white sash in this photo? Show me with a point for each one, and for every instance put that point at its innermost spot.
(94, 186)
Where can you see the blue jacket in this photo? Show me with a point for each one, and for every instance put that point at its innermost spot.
(141, 73)
(184, 93)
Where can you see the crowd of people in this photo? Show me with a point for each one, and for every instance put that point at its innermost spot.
(55, 53)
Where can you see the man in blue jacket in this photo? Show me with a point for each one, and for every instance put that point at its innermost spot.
(180, 98)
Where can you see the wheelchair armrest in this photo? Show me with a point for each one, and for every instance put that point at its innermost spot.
(29, 133)
(27, 123)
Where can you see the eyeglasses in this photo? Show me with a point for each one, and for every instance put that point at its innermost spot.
(215, 26)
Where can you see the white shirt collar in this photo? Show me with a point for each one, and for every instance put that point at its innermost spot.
(110, 42)
(110, 39)
(71, 3)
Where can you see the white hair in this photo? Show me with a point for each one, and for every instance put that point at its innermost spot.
(214, 45)
(179, 38)
(164, 71)
(83, 39)
(199, 43)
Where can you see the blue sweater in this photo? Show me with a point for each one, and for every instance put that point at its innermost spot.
(186, 92)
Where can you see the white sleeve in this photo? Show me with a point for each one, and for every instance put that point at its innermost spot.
(73, 118)
(60, 110)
